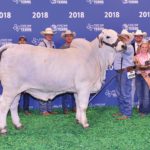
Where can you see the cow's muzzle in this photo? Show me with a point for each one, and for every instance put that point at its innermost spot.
(112, 45)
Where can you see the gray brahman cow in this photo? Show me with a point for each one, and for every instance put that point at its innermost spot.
(45, 73)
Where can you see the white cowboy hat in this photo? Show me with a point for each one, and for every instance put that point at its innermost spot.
(139, 32)
(47, 31)
(125, 32)
(68, 32)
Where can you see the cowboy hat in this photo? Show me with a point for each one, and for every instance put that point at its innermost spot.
(68, 32)
(139, 32)
(124, 33)
(47, 31)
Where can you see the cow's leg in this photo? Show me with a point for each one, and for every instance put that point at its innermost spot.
(83, 98)
(14, 113)
(5, 102)
(77, 109)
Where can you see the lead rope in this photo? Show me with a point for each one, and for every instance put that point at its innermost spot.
(103, 87)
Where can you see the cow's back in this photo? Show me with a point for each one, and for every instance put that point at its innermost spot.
(43, 67)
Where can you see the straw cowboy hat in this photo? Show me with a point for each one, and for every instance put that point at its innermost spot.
(48, 31)
(68, 32)
(139, 32)
(124, 33)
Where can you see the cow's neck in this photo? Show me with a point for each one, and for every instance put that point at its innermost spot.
(105, 52)
(104, 55)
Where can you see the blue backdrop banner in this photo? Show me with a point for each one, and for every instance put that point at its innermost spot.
(86, 17)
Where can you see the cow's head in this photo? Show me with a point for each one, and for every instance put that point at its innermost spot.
(110, 37)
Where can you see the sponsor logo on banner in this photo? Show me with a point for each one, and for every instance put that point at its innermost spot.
(24, 2)
(130, 1)
(97, 104)
(95, 27)
(96, 2)
(36, 41)
(57, 106)
(59, 27)
(110, 93)
(5, 41)
(61, 2)
(131, 27)
(22, 28)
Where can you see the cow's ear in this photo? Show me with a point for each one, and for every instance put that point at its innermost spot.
(100, 37)
(100, 42)
(104, 31)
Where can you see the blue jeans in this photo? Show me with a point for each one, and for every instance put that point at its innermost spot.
(46, 106)
(26, 100)
(68, 101)
(123, 91)
(143, 94)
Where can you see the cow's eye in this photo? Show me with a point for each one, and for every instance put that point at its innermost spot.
(107, 37)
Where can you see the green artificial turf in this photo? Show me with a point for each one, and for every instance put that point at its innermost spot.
(60, 132)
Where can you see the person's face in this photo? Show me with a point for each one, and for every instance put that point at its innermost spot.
(48, 37)
(22, 41)
(138, 38)
(68, 38)
(144, 48)
(125, 39)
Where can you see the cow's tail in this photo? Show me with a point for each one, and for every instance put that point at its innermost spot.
(4, 48)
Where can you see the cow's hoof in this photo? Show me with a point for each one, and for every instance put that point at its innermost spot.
(19, 127)
(85, 125)
(3, 132)
(77, 121)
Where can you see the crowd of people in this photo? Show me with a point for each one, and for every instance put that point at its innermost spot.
(132, 74)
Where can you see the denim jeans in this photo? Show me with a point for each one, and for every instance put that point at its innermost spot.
(26, 100)
(143, 94)
(68, 101)
(123, 91)
(46, 106)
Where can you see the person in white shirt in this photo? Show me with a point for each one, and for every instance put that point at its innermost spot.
(48, 34)
(46, 107)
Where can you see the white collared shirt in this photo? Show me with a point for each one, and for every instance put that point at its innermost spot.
(46, 43)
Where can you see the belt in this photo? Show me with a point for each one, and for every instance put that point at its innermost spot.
(128, 69)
